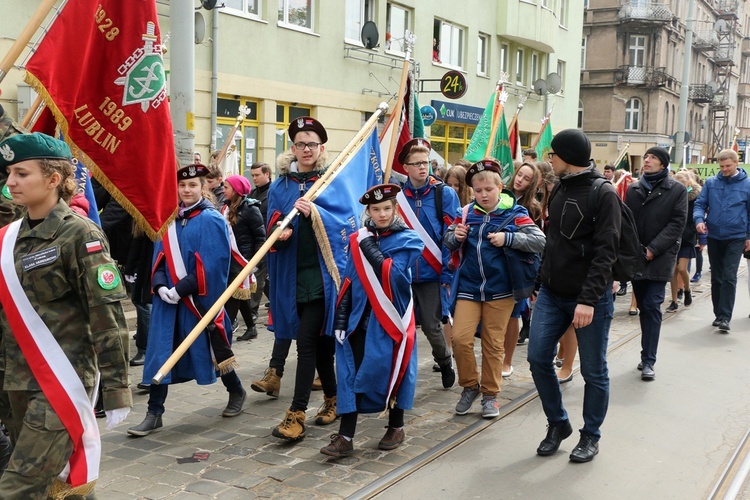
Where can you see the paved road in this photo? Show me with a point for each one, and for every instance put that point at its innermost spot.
(245, 461)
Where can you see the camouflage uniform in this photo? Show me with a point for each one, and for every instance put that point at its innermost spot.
(85, 316)
(8, 211)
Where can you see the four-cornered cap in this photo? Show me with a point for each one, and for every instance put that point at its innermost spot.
(307, 123)
(192, 171)
(481, 165)
(418, 141)
(34, 146)
(381, 192)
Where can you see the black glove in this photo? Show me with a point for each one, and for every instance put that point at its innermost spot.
(343, 310)
(373, 254)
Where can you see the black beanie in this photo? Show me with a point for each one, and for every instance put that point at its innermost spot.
(572, 146)
(660, 153)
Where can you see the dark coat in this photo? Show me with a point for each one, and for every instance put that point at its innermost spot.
(660, 216)
(139, 264)
(249, 231)
(690, 234)
(261, 194)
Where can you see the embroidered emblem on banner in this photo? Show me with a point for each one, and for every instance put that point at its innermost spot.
(143, 74)
(108, 277)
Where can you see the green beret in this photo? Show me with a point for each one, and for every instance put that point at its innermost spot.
(34, 146)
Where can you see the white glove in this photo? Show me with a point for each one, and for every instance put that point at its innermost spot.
(114, 417)
(164, 294)
(340, 336)
(130, 278)
(173, 295)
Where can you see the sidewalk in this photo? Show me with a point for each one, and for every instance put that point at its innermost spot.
(243, 459)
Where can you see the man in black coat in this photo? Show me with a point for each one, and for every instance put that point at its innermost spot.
(659, 205)
(261, 174)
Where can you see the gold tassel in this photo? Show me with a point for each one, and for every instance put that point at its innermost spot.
(61, 490)
(244, 293)
(227, 365)
(325, 246)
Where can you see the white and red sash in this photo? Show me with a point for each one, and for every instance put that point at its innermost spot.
(177, 271)
(236, 255)
(432, 252)
(51, 368)
(402, 329)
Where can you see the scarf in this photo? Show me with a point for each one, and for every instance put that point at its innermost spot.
(649, 181)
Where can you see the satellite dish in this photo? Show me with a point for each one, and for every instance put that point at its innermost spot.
(369, 35)
(200, 28)
(208, 4)
(554, 83)
(539, 86)
(721, 26)
(713, 86)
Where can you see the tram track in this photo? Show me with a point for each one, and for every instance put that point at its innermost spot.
(733, 477)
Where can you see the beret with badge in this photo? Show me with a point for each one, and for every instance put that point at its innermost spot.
(418, 141)
(36, 146)
(487, 164)
(380, 193)
(192, 171)
(307, 123)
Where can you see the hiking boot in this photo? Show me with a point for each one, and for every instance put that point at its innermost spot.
(250, 334)
(688, 298)
(317, 385)
(490, 408)
(292, 427)
(270, 384)
(234, 406)
(672, 307)
(392, 439)
(468, 395)
(149, 424)
(339, 447)
(327, 412)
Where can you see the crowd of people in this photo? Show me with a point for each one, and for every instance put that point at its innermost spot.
(456, 253)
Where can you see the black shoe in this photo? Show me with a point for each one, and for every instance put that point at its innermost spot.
(640, 366)
(724, 326)
(100, 413)
(688, 298)
(623, 289)
(139, 359)
(672, 307)
(680, 293)
(448, 375)
(436, 367)
(250, 334)
(555, 435)
(647, 372)
(144, 387)
(234, 406)
(585, 450)
(523, 335)
(716, 322)
(149, 424)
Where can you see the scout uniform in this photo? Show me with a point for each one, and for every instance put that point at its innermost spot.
(62, 322)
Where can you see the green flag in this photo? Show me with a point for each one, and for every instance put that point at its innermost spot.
(501, 152)
(477, 147)
(624, 163)
(418, 128)
(545, 142)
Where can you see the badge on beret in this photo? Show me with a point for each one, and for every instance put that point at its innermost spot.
(108, 277)
(7, 153)
(379, 193)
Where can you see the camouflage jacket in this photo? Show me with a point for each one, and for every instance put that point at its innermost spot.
(65, 268)
(8, 211)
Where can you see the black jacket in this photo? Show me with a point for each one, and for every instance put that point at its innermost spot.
(139, 264)
(261, 194)
(690, 234)
(580, 250)
(660, 216)
(249, 230)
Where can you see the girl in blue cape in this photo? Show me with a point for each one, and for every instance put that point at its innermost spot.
(376, 352)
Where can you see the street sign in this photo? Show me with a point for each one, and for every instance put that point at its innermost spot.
(453, 85)
(429, 115)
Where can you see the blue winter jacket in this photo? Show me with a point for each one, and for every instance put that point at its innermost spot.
(727, 201)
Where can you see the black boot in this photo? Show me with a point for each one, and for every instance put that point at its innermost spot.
(149, 424)
(250, 334)
(139, 359)
(234, 406)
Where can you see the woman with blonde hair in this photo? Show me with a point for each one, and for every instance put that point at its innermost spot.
(681, 278)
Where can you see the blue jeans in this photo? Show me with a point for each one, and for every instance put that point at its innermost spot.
(552, 316)
(724, 257)
(650, 296)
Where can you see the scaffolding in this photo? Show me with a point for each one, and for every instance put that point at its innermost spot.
(723, 63)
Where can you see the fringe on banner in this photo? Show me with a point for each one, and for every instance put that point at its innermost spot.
(325, 246)
(62, 490)
(245, 293)
(226, 366)
(62, 122)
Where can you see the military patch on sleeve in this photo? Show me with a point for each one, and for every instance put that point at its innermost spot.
(6, 192)
(108, 276)
(94, 246)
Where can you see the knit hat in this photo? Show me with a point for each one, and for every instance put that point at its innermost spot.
(34, 146)
(240, 184)
(572, 146)
(660, 153)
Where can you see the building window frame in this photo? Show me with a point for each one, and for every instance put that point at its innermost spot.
(396, 46)
(633, 112)
(284, 21)
(450, 139)
(244, 10)
(584, 46)
(637, 45)
(520, 67)
(483, 49)
(451, 43)
(580, 114)
(563, 13)
(504, 57)
(561, 71)
(285, 113)
(249, 130)
(536, 67)
(365, 11)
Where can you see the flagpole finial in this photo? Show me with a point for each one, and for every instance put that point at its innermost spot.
(521, 101)
(383, 107)
(504, 77)
(409, 39)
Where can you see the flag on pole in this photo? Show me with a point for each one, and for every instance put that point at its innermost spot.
(408, 126)
(500, 144)
(544, 143)
(112, 107)
(514, 137)
(624, 163)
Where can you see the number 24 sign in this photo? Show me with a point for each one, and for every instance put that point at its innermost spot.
(453, 85)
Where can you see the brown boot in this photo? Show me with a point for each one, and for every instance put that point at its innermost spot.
(339, 447)
(270, 384)
(327, 412)
(292, 427)
(392, 439)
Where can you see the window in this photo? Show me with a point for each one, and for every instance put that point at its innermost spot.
(637, 50)
(666, 118)
(545, 3)
(245, 138)
(580, 114)
(448, 39)
(563, 13)
(245, 7)
(358, 12)
(585, 4)
(633, 115)
(520, 68)
(285, 113)
(535, 69)
(296, 13)
(450, 140)
(584, 41)
(561, 72)
(483, 45)
(504, 58)
(396, 24)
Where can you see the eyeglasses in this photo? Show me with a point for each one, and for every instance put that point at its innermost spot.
(418, 164)
(302, 145)
(550, 156)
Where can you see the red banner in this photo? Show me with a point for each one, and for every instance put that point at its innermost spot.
(100, 71)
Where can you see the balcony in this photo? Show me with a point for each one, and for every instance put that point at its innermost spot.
(645, 76)
(705, 40)
(743, 90)
(746, 46)
(701, 94)
(727, 8)
(638, 10)
(723, 54)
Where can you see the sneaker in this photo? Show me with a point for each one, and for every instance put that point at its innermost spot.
(448, 375)
(339, 447)
(696, 278)
(292, 427)
(688, 298)
(623, 289)
(468, 395)
(724, 326)
(680, 293)
(559, 362)
(672, 307)
(490, 408)
(327, 412)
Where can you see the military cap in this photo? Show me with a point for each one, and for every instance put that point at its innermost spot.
(36, 146)
(487, 164)
(418, 141)
(304, 123)
(192, 171)
(381, 192)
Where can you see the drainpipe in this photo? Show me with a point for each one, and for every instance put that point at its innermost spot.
(182, 81)
(679, 141)
(214, 75)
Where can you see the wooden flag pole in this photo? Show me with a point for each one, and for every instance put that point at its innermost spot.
(409, 38)
(497, 110)
(541, 131)
(23, 39)
(242, 112)
(28, 120)
(315, 190)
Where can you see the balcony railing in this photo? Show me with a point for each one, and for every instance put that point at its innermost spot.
(645, 11)
(701, 94)
(647, 76)
(727, 7)
(705, 40)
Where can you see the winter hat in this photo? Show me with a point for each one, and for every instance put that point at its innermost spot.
(572, 146)
(660, 153)
(240, 184)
